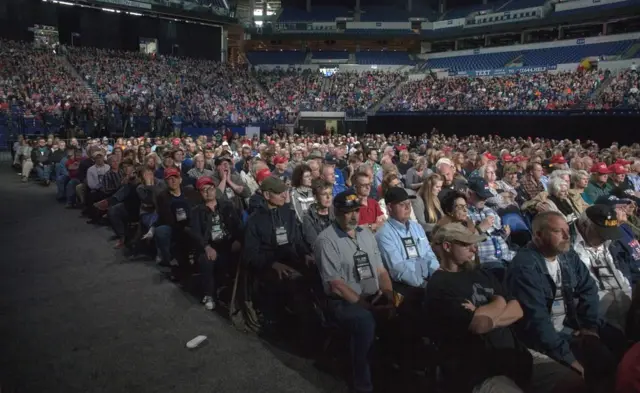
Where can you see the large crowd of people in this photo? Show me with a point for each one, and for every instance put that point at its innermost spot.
(187, 88)
(307, 90)
(34, 82)
(541, 91)
(516, 259)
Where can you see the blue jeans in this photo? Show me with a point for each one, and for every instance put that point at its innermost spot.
(70, 191)
(162, 236)
(44, 172)
(61, 183)
(361, 326)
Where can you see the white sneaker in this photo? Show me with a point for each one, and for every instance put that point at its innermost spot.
(148, 235)
(208, 302)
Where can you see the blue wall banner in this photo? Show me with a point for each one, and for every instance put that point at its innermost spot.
(503, 71)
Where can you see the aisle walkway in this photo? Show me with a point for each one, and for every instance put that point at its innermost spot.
(76, 317)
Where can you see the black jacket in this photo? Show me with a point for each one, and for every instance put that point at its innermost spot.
(200, 224)
(166, 215)
(257, 202)
(40, 156)
(260, 246)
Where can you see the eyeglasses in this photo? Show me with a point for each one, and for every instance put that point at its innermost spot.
(461, 207)
(367, 185)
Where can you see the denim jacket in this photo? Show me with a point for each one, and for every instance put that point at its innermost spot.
(528, 280)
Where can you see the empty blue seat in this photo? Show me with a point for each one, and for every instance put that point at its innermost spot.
(290, 57)
(381, 58)
(330, 55)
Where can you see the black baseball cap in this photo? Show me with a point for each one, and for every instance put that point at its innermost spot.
(221, 159)
(346, 201)
(330, 159)
(625, 193)
(480, 187)
(397, 195)
(605, 221)
(611, 200)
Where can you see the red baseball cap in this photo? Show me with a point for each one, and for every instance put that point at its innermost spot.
(176, 142)
(507, 158)
(203, 181)
(168, 172)
(618, 169)
(558, 160)
(518, 159)
(280, 160)
(262, 174)
(601, 168)
(490, 156)
(622, 161)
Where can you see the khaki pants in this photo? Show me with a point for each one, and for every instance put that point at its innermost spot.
(27, 167)
(80, 190)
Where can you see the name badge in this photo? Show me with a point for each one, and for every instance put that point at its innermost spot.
(281, 236)
(181, 214)
(557, 308)
(410, 247)
(363, 266)
(216, 232)
(229, 192)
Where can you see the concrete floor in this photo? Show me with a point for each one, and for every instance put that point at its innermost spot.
(76, 316)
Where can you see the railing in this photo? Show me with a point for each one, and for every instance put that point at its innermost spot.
(571, 112)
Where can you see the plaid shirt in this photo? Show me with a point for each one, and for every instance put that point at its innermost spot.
(487, 250)
(635, 181)
(531, 187)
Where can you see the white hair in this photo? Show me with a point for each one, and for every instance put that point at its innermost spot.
(442, 161)
(560, 173)
(555, 184)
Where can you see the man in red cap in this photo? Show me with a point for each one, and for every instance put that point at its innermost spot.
(559, 162)
(598, 185)
(257, 201)
(216, 230)
(618, 177)
(173, 206)
(281, 171)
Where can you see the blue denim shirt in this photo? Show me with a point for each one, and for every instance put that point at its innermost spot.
(409, 271)
(528, 280)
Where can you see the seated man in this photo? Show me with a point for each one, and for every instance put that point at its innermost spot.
(403, 244)
(356, 282)
(593, 235)
(493, 252)
(469, 316)
(370, 216)
(560, 303)
(275, 250)
(216, 230)
(173, 206)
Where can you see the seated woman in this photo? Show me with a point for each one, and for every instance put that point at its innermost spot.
(302, 196)
(502, 200)
(427, 205)
(558, 200)
(198, 170)
(415, 176)
(510, 183)
(454, 206)
(320, 214)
